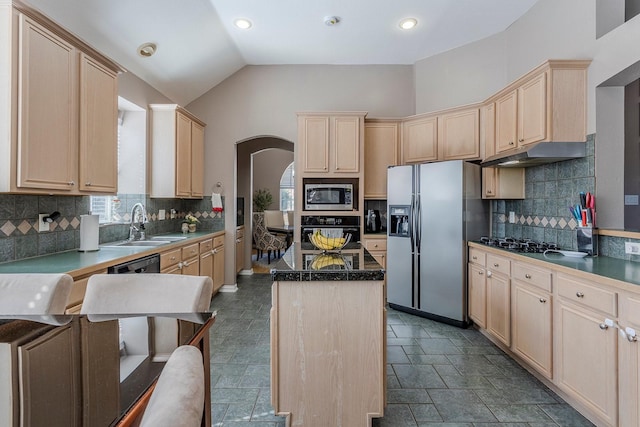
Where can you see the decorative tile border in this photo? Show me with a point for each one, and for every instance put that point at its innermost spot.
(552, 222)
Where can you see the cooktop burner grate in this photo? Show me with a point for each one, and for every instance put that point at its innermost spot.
(518, 245)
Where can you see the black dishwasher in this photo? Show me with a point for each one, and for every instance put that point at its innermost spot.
(148, 264)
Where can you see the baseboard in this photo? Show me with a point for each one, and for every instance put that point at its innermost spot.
(229, 288)
(244, 272)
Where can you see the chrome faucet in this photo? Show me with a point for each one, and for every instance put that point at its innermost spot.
(138, 215)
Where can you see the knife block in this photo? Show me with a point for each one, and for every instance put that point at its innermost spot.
(587, 238)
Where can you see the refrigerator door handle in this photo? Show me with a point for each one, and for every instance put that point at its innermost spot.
(411, 228)
(418, 221)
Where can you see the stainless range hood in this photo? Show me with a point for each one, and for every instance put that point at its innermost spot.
(537, 154)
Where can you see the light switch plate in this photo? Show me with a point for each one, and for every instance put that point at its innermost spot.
(42, 226)
(631, 248)
(162, 214)
(512, 217)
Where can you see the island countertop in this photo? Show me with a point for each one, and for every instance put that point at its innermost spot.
(303, 262)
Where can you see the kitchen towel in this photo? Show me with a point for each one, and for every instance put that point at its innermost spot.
(216, 202)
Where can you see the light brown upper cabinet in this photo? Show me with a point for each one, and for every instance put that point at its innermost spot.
(330, 143)
(547, 104)
(64, 111)
(177, 152)
(459, 135)
(380, 152)
(420, 139)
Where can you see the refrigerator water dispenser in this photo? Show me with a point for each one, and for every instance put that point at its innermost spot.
(399, 220)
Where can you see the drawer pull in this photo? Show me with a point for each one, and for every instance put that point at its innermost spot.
(480, 273)
(511, 143)
(375, 246)
(495, 264)
(474, 258)
(489, 274)
(579, 294)
(604, 326)
(173, 258)
(238, 240)
(543, 300)
(528, 276)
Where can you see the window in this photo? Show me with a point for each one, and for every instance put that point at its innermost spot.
(286, 189)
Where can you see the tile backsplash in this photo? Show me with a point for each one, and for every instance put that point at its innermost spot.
(19, 236)
(544, 213)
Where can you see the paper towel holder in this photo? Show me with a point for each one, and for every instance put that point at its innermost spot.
(51, 217)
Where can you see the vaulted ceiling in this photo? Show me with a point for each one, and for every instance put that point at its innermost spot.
(198, 45)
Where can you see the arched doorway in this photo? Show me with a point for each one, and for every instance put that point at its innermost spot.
(267, 156)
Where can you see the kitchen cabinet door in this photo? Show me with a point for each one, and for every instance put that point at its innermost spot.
(488, 130)
(531, 326)
(314, 135)
(459, 135)
(206, 258)
(585, 354)
(380, 152)
(197, 160)
(47, 115)
(532, 111)
(499, 307)
(478, 295)
(629, 359)
(346, 144)
(506, 122)
(502, 183)
(420, 140)
(183, 155)
(98, 128)
(218, 268)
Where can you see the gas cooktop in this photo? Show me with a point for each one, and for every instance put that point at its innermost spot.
(518, 245)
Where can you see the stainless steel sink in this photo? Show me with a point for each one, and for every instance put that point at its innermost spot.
(168, 238)
(137, 243)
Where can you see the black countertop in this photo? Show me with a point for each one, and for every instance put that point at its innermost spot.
(303, 262)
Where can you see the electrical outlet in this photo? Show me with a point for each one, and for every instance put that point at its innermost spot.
(42, 226)
(162, 214)
(173, 214)
(631, 248)
(512, 217)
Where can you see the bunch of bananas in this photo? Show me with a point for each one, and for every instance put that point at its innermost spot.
(323, 261)
(323, 242)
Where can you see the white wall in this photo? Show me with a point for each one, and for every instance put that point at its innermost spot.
(268, 167)
(263, 101)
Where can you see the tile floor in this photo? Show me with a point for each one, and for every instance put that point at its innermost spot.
(437, 375)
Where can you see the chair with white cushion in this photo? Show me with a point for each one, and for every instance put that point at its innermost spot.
(34, 294)
(178, 397)
(150, 293)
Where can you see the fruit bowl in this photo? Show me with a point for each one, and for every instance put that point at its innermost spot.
(324, 243)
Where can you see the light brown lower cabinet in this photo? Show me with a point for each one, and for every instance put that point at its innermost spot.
(239, 248)
(629, 360)
(218, 262)
(327, 359)
(499, 298)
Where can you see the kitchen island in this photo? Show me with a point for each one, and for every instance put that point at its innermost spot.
(328, 337)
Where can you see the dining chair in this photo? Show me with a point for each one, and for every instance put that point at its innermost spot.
(178, 397)
(149, 293)
(265, 240)
(34, 294)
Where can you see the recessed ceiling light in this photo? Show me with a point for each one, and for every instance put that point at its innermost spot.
(331, 20)
(409, 23)
(242, 23)
(147, 49)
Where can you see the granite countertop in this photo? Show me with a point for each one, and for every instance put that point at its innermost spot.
(606, 267)
(303, 262)
(78, 263)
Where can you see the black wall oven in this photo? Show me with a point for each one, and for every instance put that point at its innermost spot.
(331, 226)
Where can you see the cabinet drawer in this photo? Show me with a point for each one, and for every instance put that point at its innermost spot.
(206, 246)
(218, 241)
(477, 257)
(588, 294)
(631, 307)
(190, 251)
(532, 275)
(498, 264)
(170, 258)
(375, 245)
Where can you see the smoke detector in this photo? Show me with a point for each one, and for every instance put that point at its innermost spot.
(331, 20)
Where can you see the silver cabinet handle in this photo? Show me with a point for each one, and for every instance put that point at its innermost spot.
(510, 142)
(88, 184)
(71, 183)
(474, 258)
(521, 140)
(489, 274)
(579, 294)
(543, 300)
(480, 273)
(238, 240)
(603, 326)
(496, 265)
(527, 276)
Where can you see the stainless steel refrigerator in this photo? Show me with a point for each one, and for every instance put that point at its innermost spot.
(433, 210)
